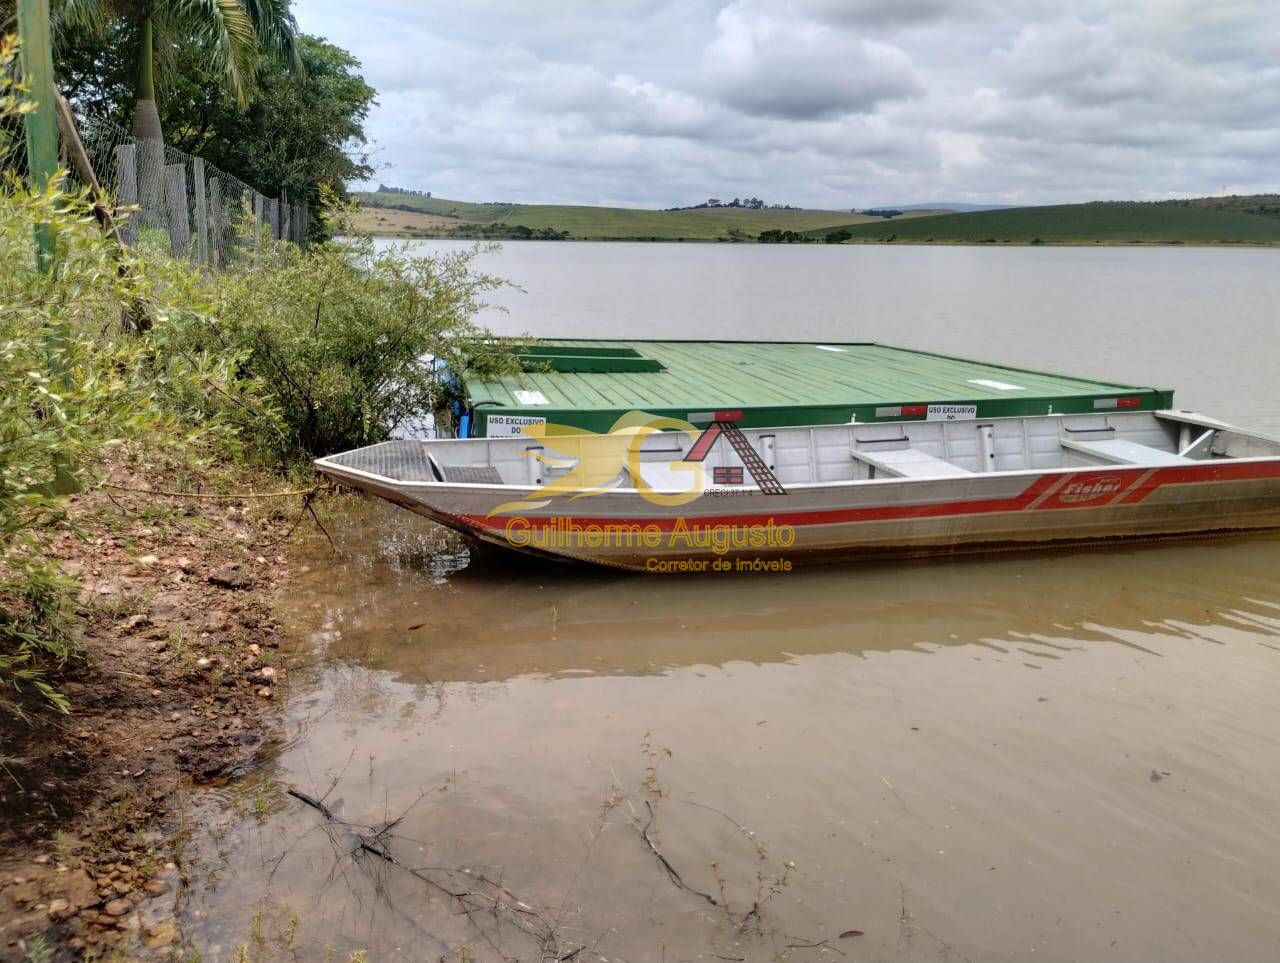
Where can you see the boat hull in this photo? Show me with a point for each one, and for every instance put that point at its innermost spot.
(749, 530)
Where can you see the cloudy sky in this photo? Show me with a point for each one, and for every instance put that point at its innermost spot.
(821, 103)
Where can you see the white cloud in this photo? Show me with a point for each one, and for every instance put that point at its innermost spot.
(783, 65)
(835, 103)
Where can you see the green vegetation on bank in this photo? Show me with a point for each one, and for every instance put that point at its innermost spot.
(1200, 221)
(286, 354)
(608, 223)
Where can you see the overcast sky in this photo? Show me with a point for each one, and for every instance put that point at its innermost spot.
(821, 103)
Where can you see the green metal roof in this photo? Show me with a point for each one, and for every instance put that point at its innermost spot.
(591, 383)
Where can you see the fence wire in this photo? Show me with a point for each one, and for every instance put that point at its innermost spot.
(201, 212)
(13, 145)
(200, 207)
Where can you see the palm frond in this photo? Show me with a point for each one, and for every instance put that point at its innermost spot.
(91, 15)
(277, 30)
(228, 31)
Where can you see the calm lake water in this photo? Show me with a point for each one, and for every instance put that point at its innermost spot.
(1047, 756)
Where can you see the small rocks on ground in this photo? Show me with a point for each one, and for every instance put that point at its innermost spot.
(162, 934)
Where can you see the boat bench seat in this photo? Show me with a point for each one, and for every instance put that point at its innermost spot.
(908, 463)
(1120, 452)
(471, 475)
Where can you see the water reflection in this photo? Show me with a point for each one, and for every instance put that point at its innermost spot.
(505, 617)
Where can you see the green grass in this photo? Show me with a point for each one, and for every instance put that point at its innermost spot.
(1111, 222)
(616, 223)
(463, 210)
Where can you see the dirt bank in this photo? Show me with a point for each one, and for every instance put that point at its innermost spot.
(176, 688)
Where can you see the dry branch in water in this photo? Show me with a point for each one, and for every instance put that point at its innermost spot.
(497, 914)
(485, 902)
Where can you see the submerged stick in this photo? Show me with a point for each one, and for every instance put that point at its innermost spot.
(526, 919)
(666, 863)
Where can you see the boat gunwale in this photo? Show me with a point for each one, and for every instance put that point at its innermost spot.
(325, 465)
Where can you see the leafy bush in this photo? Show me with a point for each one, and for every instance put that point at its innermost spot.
(343, 336)
(71, 383)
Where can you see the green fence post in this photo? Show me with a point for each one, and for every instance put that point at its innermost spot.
(42, 123)
(42, 160)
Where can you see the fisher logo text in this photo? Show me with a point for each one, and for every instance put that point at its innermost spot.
(1090, 490)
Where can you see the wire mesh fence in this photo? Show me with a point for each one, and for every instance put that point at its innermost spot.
(13, 147)
(201, 212)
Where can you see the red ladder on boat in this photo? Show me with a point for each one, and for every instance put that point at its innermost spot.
(765, 479)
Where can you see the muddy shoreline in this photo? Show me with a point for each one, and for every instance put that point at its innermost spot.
(176, 690)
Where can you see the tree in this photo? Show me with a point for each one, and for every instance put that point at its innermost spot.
(300, 130)
(231, 35)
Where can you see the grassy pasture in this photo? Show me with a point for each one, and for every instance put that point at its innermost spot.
(605, 223)
(1111, 222)
(382, 222)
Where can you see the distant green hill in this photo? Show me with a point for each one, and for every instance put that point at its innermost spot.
(1209, 220)
(1201, 221)
(611, 223)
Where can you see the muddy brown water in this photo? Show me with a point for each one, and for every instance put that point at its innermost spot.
(1055, 756)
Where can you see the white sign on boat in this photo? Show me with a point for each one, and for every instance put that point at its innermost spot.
(505, 426)
(951, 412)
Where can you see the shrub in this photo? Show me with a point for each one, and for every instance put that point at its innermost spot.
(71, 383)
(347, 338)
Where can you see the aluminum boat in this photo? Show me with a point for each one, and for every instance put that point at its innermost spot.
(720, 497)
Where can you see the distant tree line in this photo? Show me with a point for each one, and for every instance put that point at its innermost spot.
(510, 232)
(384, 189)
(885, 212)
(1266, 205)
(747, 204)
(776, 236)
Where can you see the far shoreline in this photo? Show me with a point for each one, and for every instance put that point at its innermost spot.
(854, 242)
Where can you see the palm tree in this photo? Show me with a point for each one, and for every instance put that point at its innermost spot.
(234, 33)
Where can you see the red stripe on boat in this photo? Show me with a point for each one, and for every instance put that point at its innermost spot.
(1058, 500)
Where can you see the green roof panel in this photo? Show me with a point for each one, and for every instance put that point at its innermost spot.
(591, 383)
